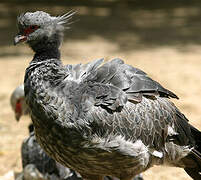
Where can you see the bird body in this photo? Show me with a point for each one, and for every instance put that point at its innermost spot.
(109, 119)
(93, 135)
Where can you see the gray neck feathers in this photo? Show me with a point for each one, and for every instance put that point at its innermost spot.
(47, 47)
(47, 44)
(46, 54)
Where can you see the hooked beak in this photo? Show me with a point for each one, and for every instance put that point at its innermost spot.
(18, 116)
(19, 38)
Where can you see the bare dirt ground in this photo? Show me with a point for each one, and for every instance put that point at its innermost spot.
(165, 43)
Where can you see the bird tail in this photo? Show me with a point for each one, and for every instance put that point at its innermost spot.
(193, 160)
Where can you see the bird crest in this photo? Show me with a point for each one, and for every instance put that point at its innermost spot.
(43, 18)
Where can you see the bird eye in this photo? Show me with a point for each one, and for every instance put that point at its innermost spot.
(30, 29)
(34, 27)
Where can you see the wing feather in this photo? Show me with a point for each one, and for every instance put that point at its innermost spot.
(141, 122)
(116, 101)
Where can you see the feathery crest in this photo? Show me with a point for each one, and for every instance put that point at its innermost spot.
(64, 19)
(20, 18)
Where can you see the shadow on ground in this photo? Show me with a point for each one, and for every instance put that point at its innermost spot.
(130, 24)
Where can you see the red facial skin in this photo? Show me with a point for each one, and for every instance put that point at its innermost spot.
(18, 110)
(30, 29)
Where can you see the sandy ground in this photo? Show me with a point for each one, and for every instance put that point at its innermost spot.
(177, 66)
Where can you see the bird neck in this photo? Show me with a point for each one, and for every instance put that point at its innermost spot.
(47, 46)
(46, 54)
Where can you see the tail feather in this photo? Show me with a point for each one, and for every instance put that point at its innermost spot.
(193, 173)
(197, 137)
(193, 160)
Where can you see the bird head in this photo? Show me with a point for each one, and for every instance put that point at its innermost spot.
(39, 26)
(18, 103)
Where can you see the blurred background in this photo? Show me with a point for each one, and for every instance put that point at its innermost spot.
(161, 37)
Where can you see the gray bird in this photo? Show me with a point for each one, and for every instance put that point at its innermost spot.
(110, 119)
(17, 101)
(18, 104)
(36, 163)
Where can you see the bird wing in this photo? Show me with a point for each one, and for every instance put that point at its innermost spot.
(119, 99)
(132, 81)
(114, 83)
(154, 122)
(78, 72)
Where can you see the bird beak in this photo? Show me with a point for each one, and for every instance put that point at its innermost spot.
(17, 116)
(20, 38)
